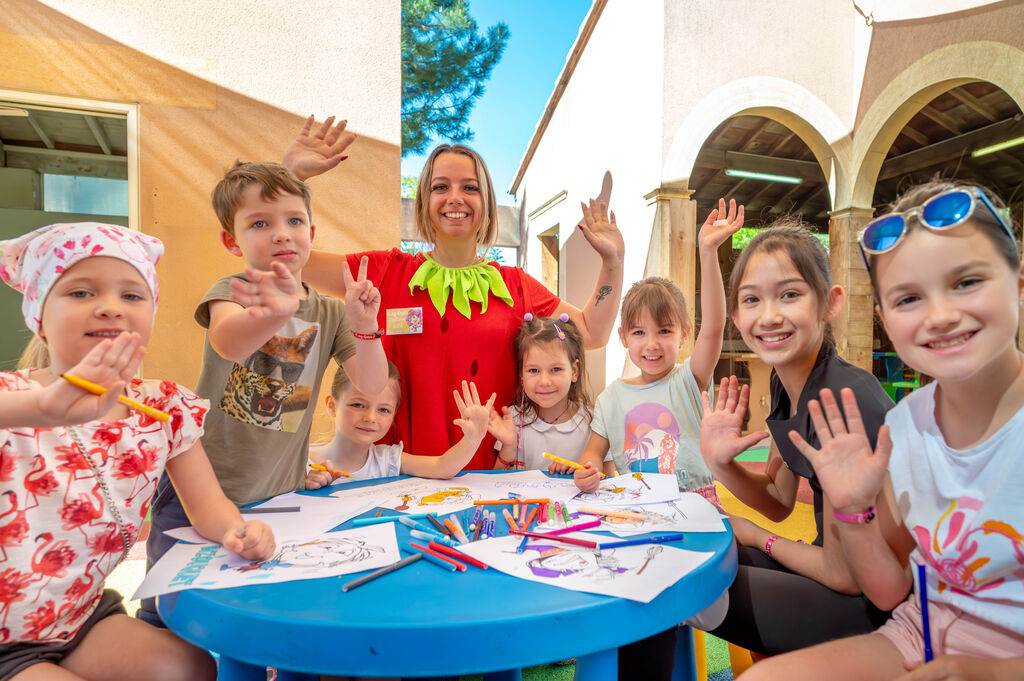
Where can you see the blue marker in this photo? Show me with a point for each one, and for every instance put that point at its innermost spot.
(409, 522)
(657, 539)
(522, 545)
(427, 537)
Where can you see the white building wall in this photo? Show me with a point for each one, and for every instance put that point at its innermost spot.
(608, 120)
(318, 57)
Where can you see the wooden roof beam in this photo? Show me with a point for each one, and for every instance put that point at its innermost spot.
(941, 118)
(39, 131)
(952, 148)
(97, 132)
(973, 104)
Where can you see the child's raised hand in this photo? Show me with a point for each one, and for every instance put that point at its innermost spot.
(600, 230)
(314, 153)
(362, 299)
(473, 416)
(109, 364)
(720, 225)
(253, 540)
(587, 478)
(850, 473)
(267, 294)
(502, 427)
(721, 429)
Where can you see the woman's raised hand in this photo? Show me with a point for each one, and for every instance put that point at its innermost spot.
(851, 474)
(721, 429)
(314, 153)
(601, 232)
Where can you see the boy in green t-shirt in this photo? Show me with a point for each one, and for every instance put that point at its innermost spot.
(269, 340)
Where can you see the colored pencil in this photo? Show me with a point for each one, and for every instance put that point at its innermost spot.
(437, 523)
(570, 464)
(379, 513)
(455, 553)
(271, 509)
(564, 540)
(408, 560)
(335, 473)
(461, 567)
(612, 512)
(581, 526)
(922, 580)
(91, 387)
(505, 502)
(637, 541)
(362, 522)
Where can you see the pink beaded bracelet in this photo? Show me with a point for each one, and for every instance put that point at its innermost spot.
(768, 544)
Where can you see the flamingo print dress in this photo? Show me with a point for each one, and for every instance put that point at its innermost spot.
(58, 539)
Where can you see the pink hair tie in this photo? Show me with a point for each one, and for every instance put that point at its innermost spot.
(563, 317)
(527, 317)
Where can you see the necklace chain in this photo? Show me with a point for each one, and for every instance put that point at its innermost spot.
(555, 420)
(102, 482)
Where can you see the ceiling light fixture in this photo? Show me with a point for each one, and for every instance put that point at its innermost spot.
(993, 148)
(750, 175)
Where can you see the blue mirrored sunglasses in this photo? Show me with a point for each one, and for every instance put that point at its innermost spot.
(944, 211)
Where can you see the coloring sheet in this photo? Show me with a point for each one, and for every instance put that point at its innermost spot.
(202, 566)
(690, 513)
(419, 495)
(316, 516)
(638, 573)
(631, 489)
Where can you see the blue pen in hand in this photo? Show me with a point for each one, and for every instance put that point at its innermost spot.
(922, 587)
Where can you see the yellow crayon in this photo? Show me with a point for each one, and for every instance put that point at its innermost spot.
(566, 462)
(91, 387)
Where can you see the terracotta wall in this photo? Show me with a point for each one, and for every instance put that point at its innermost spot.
(190, 131)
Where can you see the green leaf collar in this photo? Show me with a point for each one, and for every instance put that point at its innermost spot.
(465, 284)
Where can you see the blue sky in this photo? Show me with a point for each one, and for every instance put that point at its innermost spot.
(541, 33)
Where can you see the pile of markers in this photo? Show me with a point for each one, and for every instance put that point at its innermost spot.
(441, 538)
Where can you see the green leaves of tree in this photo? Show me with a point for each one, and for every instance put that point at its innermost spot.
(445, 63)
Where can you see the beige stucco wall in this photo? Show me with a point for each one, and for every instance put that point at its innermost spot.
(609, 118)
(192, 128)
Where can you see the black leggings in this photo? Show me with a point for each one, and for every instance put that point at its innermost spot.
(773, 610)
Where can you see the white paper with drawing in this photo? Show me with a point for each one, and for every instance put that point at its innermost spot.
(638, 573)
(418, 495)
(201, 566)
(631, 489)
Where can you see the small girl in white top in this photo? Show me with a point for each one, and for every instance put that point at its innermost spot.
(943, 486)
(360, 420)
(553, 414)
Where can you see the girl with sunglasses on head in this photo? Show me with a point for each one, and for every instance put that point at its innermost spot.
(942, 486)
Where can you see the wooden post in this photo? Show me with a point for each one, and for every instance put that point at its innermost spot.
(854, 327)
(678, 247)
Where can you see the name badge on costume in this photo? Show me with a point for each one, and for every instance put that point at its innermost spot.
(404, 320)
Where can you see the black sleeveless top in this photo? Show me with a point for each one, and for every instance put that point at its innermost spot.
(830, 371)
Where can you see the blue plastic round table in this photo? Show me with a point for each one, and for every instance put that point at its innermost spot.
(425, 621)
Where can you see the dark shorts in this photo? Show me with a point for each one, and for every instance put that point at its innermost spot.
(17, 657)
